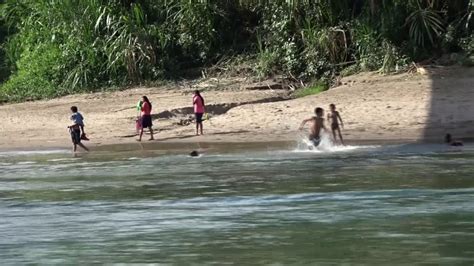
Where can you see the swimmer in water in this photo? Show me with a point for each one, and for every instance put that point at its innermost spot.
(452, 142)
(317, 123)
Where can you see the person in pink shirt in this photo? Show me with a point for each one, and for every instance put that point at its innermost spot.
(146, 117)
(198, 103)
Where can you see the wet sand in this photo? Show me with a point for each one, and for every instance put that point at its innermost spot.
(375, 109)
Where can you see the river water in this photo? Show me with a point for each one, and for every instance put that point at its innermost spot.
(369, 205)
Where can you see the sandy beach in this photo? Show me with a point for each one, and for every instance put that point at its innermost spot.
(403, 108)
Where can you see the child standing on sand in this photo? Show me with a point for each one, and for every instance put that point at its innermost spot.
(77, 129)
(198, 104)
(316, 126)
(335, 117)
(145, 119)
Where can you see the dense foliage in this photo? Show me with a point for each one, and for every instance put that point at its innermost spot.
(55, 47)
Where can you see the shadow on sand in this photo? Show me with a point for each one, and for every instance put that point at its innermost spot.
(451, 104)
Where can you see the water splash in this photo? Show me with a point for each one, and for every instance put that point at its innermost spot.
(326, 145)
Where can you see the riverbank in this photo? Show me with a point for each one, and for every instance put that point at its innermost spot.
(375, 108)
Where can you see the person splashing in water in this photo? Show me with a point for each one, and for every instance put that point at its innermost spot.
(317, 123)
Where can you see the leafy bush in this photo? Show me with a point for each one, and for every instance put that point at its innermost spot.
(350, 70)
(52, 48)
(467, 44)
(392, 60)
(36, 76)
(3, 66)
(266, 63)
(367, 45)
(425, 25)
(316, 88)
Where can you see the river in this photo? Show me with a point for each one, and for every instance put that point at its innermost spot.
(399, 204)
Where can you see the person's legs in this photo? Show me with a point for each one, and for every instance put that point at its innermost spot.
(198, 123)
(75, 138)
(151, 133)
(141, 134)
(83, 146)
(340, 136)
(145, 123)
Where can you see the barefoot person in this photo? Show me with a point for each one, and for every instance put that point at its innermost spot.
(77, 129)
(335, 117)
(198, 103)
(317, 123)
(145, 118)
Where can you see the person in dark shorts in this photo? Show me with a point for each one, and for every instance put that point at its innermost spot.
(146, 121)
(334, 117)
(76, 130)
(317, 123)
(199, 109)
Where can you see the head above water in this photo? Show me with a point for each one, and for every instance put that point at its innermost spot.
(74, 109)
(448, 138)
(319, 111)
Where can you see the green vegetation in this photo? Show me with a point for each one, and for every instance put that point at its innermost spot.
(311, 90)
(50, 48)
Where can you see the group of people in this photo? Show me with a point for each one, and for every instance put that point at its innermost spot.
(317, 124)
(145, 121)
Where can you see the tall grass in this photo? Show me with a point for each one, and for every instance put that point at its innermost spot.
(316, 88)
(50, 48)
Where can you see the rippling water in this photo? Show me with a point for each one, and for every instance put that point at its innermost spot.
(396, 204)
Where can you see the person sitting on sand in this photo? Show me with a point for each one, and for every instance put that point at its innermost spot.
(146, 121)
(316, 126)
(335, 117)
(452, 142)
(198, 103)
(77, 129)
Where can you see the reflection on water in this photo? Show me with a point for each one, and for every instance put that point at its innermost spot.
(398, 204)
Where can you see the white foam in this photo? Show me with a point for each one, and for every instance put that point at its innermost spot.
(326, 145)
(64, 159)
(26, 163)
(37, 152)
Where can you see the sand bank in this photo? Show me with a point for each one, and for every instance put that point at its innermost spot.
(375, 108)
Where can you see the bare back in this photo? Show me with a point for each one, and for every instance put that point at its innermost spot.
(316, 125)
